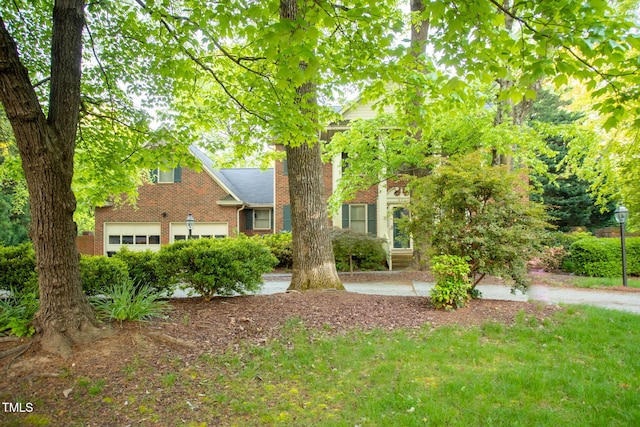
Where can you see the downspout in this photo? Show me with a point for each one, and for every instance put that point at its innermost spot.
(238, 217)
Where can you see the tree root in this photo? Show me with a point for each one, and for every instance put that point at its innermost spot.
(20, 350)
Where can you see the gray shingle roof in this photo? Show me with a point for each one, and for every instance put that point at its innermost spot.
(250, 185)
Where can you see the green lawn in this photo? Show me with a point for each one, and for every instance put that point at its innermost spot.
(603, 282)
(580, 368)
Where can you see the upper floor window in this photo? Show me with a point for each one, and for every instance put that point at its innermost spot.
(167, 176)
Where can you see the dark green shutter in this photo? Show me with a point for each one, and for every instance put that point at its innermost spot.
(371, 219)
(286, 218)
(285, 167)
(271, 215)
(177, 174)
(249, 223)
(345, 216)
(153, 174)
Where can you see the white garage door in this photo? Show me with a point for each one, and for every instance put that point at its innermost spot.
(179, 230)
(138, 236)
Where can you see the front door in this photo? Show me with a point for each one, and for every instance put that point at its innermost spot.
(400, 239)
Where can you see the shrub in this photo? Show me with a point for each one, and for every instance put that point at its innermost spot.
(353, 250)
(602, 257)
(280, 246)
(466, 207)
(127, 300)
(99, 273)
(18, 268)
(142, 268)
(453, 286)
(17, 311)
(216, 266)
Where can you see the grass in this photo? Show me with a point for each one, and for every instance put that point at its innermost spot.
(578, 368)
(603, 282)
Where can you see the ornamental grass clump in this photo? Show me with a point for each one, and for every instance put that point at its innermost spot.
(127, 300)
(453, 285)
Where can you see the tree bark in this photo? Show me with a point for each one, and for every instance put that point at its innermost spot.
(46, 148)
(313, 259)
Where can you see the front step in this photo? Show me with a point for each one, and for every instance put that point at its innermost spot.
(401, 261)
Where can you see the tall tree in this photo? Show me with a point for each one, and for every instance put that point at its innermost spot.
(313, 260)
(46, 144)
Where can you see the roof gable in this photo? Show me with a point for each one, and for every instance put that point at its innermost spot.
(252, 186)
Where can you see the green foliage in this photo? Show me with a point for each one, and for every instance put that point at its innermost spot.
(280, 246)
(18, 268)
(470, 209)
(16, 312)
(566, 196)
(127, 300)
(99, 273)
(216, 266)
(557, 250)
(353, 250)
(142, 269)
(603, 257)
(452, 281)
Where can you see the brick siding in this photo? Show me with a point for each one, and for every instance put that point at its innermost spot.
(170, 203)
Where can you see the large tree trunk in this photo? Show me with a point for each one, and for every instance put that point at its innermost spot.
(313, 261)
(47, 148)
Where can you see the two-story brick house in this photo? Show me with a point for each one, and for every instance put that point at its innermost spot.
(246, 200)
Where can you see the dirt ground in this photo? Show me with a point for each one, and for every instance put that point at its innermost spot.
(194, 327)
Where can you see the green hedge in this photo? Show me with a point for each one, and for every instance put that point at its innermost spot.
(280, 246)
(601, 257)
(142, 268)
(357, 250)
(18, 268)
(216, 266)
(99, 273)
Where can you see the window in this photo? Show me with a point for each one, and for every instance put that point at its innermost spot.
(179, 237)
(114, 240)
(154, 240)
(262, 219)
(141, 240)
(127, 240)
(165, 176)
(358, 218)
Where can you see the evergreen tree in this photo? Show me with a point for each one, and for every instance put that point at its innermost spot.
(567, 199)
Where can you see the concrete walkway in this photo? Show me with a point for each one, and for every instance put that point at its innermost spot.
(612, 299)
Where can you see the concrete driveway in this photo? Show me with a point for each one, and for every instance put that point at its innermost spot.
(612, 299)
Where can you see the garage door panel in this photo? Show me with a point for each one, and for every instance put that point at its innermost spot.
(179, 230)
(135, 236)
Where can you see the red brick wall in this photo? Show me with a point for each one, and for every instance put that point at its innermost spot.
(281, 192)
(368, 196)
(166, 203)
(86, 243)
